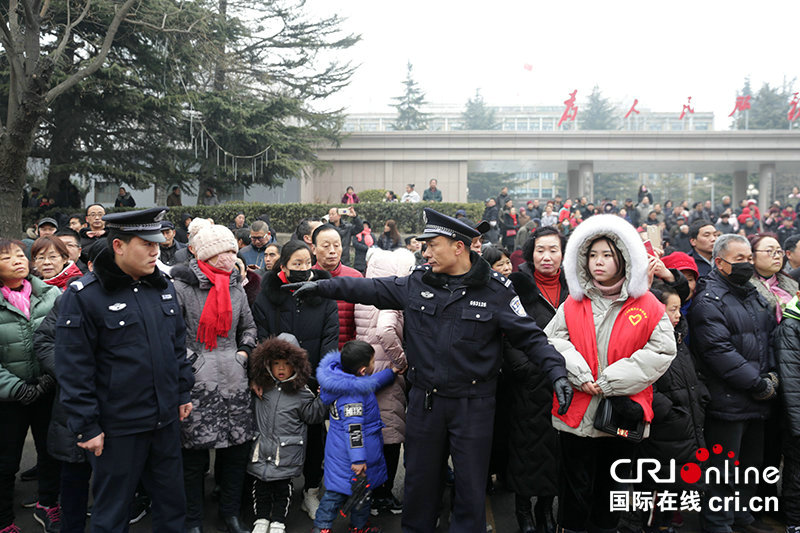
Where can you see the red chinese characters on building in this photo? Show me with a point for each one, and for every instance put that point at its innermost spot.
(633, 108)
(571, 110)
(794, 110)
(742, 104)
(687, 108)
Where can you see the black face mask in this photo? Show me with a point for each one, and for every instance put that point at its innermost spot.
(296, 276)
(740, 273)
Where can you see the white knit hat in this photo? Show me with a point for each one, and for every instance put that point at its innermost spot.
(210, 239)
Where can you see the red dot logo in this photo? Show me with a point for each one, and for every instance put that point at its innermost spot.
(717, 449)
(701, 454)
(690, 473)
(730, 455)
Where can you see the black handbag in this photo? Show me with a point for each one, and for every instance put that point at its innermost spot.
(607, 421)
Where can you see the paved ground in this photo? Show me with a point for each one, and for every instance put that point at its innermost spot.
(500, 509)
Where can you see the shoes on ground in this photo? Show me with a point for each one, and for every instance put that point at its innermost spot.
(48, 517)
(310, 502)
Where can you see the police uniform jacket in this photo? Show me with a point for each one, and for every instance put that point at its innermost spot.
(453, 326)
(120, 355)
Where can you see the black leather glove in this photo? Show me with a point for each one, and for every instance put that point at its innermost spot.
(765, 390)
(45, 384)
(27, 393)
(304, 289)
(563, 391)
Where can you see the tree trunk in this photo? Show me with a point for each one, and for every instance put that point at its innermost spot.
(219, 70)
(62, 141)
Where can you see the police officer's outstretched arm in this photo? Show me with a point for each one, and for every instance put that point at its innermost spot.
(76, 340)
(383, 293)
(523, 333)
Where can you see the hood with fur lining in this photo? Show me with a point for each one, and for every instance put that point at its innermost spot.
(335, 382)
(627, 240)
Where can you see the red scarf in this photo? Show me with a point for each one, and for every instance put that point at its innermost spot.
(367, 236)
(549, 286)
(632, 329)
(60, 280)
(217, 315)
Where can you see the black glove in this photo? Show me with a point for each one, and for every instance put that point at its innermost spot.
(304, 289)
(45, 383)
(27, 393)
(563, 391)
(773, 377)
(765, 390)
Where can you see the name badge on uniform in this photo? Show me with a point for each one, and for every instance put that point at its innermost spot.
(426, 294)
(166, 296)
(117, 307)
(475, 303)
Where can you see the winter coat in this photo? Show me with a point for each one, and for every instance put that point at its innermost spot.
(222, 414)
(787, 353)
(385, 242)
(61, 442)
(347, 326)
(360, 254)
(703, 266)
(168, 254)
(207, 200)
(355, 423)
(731, 330)
(282, 413)
(174, 200)
(629, 375)
(383, 329)
(679, 403)
(313, 321)
(18, 362)
(432, 195)
(125, 200)
(532, 441)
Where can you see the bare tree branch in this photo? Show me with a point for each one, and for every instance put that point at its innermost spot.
(55, 55)
(98, 60)
(45, 7)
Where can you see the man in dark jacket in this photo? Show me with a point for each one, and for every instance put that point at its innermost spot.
(346, 229)
(702, 236)
(125, 379)
(170, 246)
(731, 330)
(455, 310)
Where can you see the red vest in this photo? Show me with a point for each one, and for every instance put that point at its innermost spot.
(632, 329)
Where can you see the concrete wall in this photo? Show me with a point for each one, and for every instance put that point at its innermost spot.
(392, 175)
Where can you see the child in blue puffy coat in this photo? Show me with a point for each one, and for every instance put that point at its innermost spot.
(355, 443)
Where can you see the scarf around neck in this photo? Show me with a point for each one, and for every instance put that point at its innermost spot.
(612, 292)
(20, 299)
(60, 280)
(549, 286)
(781, 295)
(217, 315)
(367, 236)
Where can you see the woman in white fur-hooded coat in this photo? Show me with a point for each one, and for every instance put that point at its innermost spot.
(616, 340)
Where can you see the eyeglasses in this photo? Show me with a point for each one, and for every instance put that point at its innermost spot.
(774, 252)
(51, 258)
(95, 215)
(257, 238)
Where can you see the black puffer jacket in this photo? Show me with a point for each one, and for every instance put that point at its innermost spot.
(679, 403)
(787, 353)
(532, 441)
(313, 321)
(731, 329)
(61, 442)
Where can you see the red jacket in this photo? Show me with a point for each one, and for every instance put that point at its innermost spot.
(347, 325)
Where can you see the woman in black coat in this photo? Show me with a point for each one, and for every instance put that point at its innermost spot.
(314, 321)
(532, 450)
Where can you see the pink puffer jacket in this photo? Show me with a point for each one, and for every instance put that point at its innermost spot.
(383, 329)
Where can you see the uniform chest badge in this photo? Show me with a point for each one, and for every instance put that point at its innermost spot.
(166, 296)
(117, 307)
(427, 295)
(476, 303)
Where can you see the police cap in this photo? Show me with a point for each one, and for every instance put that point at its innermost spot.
(437, 224)
(145, 224)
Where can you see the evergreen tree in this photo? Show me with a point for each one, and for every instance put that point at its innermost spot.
(770, 107)
(599, 113)
(477, 115)
(409, 116)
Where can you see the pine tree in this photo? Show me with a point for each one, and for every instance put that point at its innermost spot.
(409, 116)
(770, 107)
(477, 115)
(599, 113)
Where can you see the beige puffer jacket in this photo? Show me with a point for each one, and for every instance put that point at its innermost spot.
(383, 329)
(626, 376)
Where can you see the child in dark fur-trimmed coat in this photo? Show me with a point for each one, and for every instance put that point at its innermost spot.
(355, 441)
(279, 371)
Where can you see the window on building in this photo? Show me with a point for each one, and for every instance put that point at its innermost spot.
(105, 192)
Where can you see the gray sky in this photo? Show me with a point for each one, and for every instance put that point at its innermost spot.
(658, 52)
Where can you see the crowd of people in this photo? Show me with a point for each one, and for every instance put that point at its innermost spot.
(535, 348)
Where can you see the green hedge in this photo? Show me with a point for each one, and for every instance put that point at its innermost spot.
(284, 217)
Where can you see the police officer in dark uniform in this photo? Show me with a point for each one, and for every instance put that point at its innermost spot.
(456, 309)
(125, 379)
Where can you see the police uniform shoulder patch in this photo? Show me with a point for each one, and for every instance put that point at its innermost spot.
(421, 268)
(77, 285)
(353, 409)
(517, 307)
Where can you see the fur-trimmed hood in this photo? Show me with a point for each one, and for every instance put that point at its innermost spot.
(335, 382)
(627, 240)
(271, 350)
